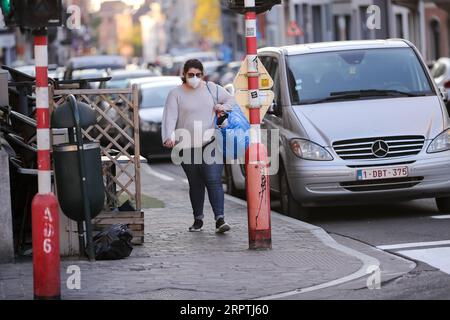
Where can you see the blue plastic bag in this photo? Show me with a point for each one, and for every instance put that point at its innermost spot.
(234, 139)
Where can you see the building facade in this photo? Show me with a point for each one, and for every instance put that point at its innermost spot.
(423, 22)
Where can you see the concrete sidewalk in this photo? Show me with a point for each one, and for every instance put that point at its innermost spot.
(176, 264)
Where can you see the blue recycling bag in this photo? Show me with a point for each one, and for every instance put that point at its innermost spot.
(234, 138)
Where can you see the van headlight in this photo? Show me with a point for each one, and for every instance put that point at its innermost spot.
(309, 150)
(440, 143)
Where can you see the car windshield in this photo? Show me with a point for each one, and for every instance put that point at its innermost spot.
(155, 97)
(352, 74)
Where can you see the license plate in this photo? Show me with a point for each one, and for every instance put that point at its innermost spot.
(382, 173)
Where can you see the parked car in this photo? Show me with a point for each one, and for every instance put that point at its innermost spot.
(31, 70)
(203, 56)
(152, 99)
(230, 72)
(213, 70)
(121, 78)
(359, 122)
(173, 66)
(142, 81)
(89, 75)
(101, 63)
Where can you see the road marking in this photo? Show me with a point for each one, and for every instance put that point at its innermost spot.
(414, 245)
(441, 217)
(366, 260)
(435, 257)
(156, 174)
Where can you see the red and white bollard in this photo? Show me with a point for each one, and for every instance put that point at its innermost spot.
(258, 187)
(45, 209)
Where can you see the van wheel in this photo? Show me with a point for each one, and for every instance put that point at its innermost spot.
(443, 204)
(290, 206)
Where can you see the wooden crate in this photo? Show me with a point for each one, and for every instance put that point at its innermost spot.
(135, 220)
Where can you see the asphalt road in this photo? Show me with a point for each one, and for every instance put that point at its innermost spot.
(413, 230)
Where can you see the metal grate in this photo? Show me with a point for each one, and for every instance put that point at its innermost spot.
(363, 149)
(382, 184)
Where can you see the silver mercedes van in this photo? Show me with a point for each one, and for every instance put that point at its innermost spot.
(359, 122)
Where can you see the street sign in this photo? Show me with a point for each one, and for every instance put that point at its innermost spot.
(265, 84)
(241, 80)
(266, 98)
(294, 30)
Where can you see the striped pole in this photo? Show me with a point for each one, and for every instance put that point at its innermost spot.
(258, 191)
(45, 214)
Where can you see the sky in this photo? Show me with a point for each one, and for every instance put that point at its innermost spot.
(95, 4)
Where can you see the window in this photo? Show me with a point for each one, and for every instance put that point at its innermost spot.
(272, 67)
(342, 28)
(274, 73)
(435, 30)
(317, 23)
(399, 26)
(266, 62)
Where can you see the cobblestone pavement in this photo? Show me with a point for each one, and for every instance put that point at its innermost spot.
(176, 264)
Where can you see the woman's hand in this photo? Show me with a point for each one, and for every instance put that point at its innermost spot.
(220, 108)
(169, 143)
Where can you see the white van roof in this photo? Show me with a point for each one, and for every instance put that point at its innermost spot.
(338, 45)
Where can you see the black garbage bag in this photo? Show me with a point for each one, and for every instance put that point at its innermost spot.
(114, 243)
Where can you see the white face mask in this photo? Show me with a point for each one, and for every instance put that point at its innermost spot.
(194, 82)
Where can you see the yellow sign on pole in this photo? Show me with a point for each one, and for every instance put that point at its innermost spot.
(242, 95)
(241, 80)
(266, 99)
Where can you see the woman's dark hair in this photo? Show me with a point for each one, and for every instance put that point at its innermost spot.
(192, 63)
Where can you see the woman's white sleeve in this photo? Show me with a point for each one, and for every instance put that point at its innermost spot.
(226, 99)
(170, 117)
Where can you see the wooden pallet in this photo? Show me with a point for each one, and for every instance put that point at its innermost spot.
(135, 220)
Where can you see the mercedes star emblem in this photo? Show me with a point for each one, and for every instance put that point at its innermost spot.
(380, 149)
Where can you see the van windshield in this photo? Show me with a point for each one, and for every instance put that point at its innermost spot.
(353, 74)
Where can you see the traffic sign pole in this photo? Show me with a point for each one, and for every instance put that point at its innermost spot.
(45, 214)
(258, 188)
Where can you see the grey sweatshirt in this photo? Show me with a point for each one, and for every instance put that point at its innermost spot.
(186, 109)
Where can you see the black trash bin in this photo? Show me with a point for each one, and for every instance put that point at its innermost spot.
(69, 183)
(78, 168)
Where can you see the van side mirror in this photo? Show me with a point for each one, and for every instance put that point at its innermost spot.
(444, 94)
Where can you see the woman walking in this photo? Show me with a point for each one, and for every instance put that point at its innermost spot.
(196, 102)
